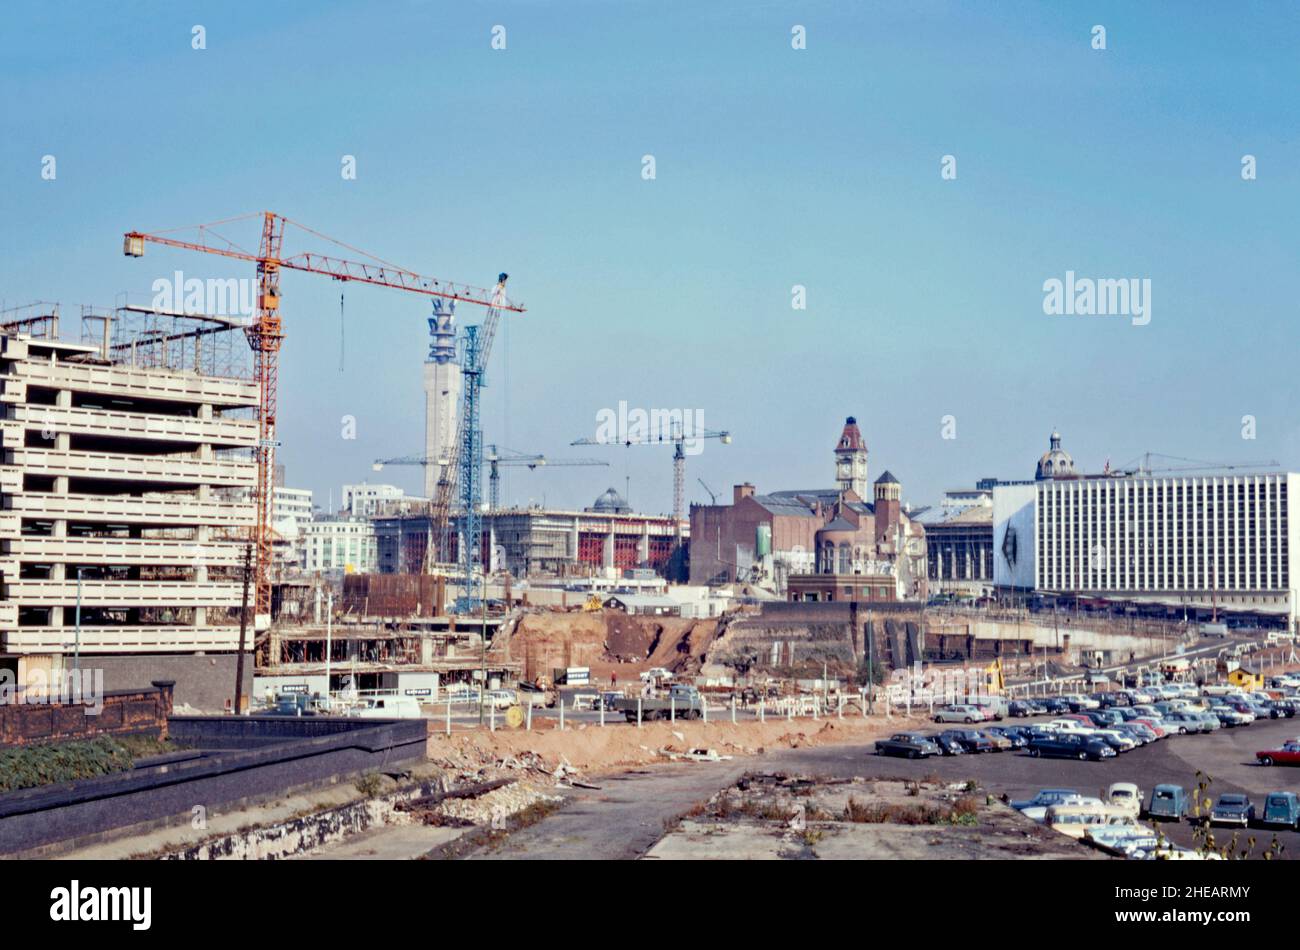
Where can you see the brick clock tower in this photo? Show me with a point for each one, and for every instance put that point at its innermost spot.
(851, 460)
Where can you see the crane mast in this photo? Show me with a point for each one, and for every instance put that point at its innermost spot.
(266, 337)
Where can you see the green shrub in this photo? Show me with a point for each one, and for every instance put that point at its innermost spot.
(32, 766)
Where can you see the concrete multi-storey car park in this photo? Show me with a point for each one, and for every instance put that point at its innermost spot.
(139, 478)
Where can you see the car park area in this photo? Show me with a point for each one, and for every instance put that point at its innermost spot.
(1229, 756)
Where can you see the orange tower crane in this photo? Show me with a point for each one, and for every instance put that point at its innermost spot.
(266, 336)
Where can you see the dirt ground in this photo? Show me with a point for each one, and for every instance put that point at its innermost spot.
(607, 641)
(594, 750)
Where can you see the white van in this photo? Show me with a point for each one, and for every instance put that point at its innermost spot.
(390, 707)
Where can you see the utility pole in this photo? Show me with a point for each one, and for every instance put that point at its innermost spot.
(482, 645)
(243, 632)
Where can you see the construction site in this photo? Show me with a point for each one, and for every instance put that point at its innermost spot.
(514, 656)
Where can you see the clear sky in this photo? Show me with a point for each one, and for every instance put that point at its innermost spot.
(774, 167)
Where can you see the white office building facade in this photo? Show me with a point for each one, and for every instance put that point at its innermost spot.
(1227, 541)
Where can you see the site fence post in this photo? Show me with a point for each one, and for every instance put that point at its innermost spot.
(816, 704)
(704, 708)
(733, 709)
(672, 708)
(602, 713)
(449, 716)
(638, 712)
(909, 703)
(760, 711)
(492, 718)
(840, 710)
(789, 712)
(530, 716)
(561, 713)
(862, 700)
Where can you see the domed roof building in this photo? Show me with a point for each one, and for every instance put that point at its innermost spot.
(610, 502)
(1055, 462)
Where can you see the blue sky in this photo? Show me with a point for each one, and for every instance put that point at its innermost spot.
(775, 167)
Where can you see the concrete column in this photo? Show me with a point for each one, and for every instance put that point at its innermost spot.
(643, 546)
(609, 546)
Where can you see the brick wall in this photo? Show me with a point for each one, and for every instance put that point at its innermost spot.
(138, 711)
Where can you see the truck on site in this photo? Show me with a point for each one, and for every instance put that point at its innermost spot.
(679, 701)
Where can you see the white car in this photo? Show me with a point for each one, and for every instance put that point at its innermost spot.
(1069, 727)
(1039, 812)
(1083, 702)
(1125, 798)
(959, 713)
(501, 698)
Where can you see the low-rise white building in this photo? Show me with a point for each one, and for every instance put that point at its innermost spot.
(343, 545)
(369, 501)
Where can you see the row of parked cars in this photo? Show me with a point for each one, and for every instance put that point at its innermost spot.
(1113, 822)
(1103, 725)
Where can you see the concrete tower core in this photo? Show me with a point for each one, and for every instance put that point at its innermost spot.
(442, 382)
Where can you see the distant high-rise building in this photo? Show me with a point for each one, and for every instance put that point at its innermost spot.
(442, 383)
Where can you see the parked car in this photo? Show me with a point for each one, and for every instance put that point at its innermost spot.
(1183, 723)
(1135, 733)
(1282, 808)
(1285, 707)
(1073, 819)
(1056, 705)
(1286, 754)
(1168, 801)
(1125, 798)
(971, 740)
(993, 707)
(1000, 742)
(1070, 727)
(1231, 717)
(1209, 720)
(1154, 725)
(909, 745)
(947, 744)
(1020, 708)
(1104, 718)
(532, 695)
(1036, 808)
(1232, 808)
(1079, 703)
(1013, 735)
(501, 698)
(1071, 746)
(959, 713)
(1119, 741)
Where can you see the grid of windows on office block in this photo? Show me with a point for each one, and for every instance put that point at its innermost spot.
(1224, 533)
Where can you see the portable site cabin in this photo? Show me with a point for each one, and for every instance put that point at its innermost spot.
(1245, 677)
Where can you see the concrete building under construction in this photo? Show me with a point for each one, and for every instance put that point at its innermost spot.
(126, 489)
(547, 542)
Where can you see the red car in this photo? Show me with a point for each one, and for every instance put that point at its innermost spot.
(1289, 754)
(1154, 726)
